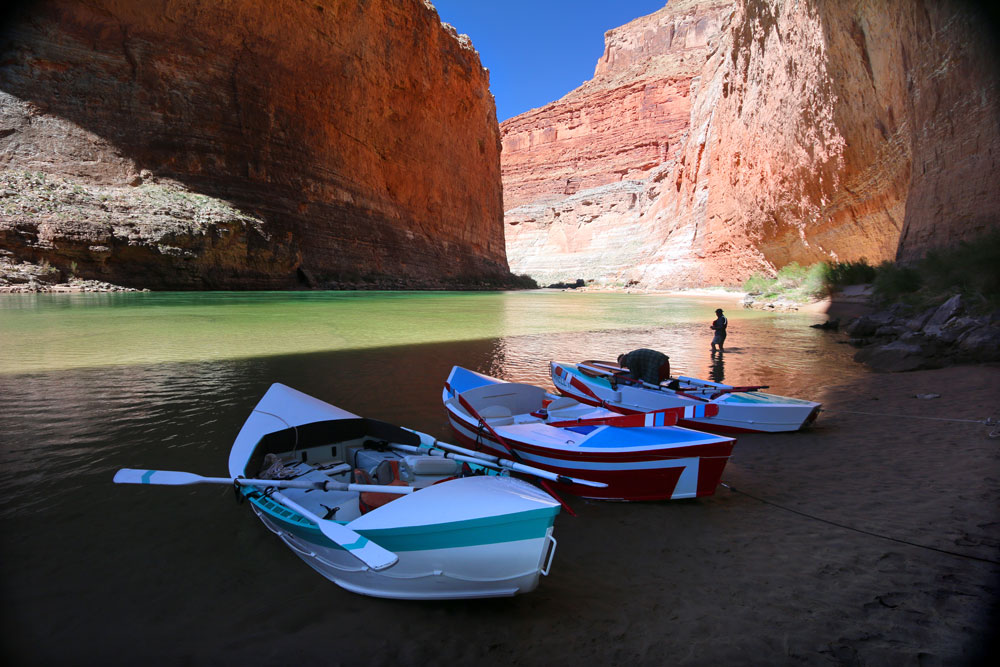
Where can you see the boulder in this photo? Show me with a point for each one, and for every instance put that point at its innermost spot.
(954, 328)
(917, 323)
(945, 312)
(894, 357)
(867, 325)
(981, 344)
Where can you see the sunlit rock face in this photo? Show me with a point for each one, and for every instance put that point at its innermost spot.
(245, 144)
(806, 131)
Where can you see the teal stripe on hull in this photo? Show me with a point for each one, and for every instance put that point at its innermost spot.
(532, 524)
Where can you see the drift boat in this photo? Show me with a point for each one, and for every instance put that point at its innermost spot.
(638, 457)
(364, 504)
(740, 409)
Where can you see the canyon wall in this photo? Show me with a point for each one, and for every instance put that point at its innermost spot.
(194, 144)
(806, 131)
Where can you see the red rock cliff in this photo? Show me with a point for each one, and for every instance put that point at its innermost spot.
(238, 144)
(797, 138)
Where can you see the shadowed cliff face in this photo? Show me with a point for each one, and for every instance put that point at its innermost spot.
(798, 138)
(237, 144)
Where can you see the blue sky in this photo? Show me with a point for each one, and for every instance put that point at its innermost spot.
(539, 50)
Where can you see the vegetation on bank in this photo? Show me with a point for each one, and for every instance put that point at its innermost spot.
(970, 268)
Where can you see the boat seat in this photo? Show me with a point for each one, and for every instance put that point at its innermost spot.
(563, 403)
(496, 415)
(429, 470)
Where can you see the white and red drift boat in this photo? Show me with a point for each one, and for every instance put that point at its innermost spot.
(639, 457)
(740, 409)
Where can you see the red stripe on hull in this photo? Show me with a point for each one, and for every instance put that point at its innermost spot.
(633, 485)
(696, 425)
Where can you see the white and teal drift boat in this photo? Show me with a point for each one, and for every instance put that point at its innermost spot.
(740, 409)
(364, 504)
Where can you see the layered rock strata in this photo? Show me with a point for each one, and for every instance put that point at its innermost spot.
(807, 131)
(240, 144)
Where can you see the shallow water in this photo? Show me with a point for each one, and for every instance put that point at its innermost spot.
(92, 383)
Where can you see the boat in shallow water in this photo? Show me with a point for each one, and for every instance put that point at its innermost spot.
(740, 409)
(350, 497)
(639, 458)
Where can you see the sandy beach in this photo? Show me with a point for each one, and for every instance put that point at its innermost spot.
(870, 539)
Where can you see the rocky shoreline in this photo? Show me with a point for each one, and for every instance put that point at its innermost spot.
(29, 278)
(901, 339)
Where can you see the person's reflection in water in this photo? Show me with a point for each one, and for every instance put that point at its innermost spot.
(717, 371)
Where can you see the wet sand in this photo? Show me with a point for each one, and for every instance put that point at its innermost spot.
(758, 575)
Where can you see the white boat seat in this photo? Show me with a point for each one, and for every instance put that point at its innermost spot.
(496, 415)
(431, 465)
(428, 470)
(563, 403)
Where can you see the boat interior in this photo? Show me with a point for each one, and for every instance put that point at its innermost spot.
(512, 403)
(356, 451)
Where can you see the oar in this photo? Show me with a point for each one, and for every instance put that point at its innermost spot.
(369, 553)
(510, 450)
(500, 464)
(359, 546)
(177, 478)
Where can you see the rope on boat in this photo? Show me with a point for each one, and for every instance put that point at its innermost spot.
(989, 421)
(860, 530)
(279, 417)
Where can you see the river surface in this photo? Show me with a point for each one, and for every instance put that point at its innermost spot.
(90, 383)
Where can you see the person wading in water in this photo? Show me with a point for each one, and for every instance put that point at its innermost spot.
(719, 326)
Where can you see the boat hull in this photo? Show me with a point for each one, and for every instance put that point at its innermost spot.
(496, 569)
(636, 474)
(740, 412)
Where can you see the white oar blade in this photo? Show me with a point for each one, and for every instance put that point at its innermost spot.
(369, 553)
(168, 477)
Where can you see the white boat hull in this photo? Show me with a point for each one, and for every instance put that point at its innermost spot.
(491, 570)
(739, 412)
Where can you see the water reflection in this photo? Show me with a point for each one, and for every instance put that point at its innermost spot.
(717, 368)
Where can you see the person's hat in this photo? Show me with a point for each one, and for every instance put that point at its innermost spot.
(718, 310)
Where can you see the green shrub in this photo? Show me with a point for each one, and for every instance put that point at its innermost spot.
(758, 283)
(849, 273)
(792, 275)
(814, 281)
(524, 281)
(894, 281)
(972, 268)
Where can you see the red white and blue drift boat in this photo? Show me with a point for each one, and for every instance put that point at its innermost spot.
(639, 457)
(740, 409)
(378, 509)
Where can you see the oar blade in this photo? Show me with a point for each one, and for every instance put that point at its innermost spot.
(359, 546)
(163, 477)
